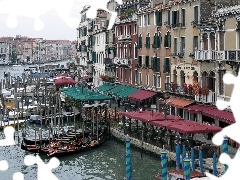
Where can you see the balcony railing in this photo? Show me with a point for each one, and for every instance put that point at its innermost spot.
(232, 55)
(208, 98)
(179, 89)
(201, 55)
(121, 61)
(124, 37)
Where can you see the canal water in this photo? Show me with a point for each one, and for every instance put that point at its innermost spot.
(103, 163)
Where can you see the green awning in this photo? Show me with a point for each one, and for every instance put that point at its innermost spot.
(105, 87)
(117, 89)
(124, 94)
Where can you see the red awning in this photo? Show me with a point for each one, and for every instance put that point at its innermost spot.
(166, 123)
(190, 129)
(219, 115)
(197, 109)
(64, 81)
(141, 95)
(148, 116)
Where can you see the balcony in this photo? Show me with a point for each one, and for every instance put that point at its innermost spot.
(208, 98)
(122, 61)
(179, 89)
(204, 55)
(124, 37)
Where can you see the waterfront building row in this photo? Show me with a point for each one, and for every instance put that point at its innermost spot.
(171, 48)
(25, 49)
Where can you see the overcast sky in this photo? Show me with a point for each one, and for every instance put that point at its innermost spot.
(55, 27)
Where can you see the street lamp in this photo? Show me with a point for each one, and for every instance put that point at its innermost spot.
(165, 107)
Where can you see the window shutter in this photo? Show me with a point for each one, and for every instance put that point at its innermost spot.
(173, 25)
(177, 21)
(169, 40)
(93, 40)
(148, 42)
(140, 42)
(166, 41)
(158, 64)
(156, 18)
(160, 18)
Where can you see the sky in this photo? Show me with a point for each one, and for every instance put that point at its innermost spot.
(54, 27)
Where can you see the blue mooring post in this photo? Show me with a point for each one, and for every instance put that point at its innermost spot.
(128, 160)
(178, 155)
(164, 164)
(186, 168)
(200, 161)
(193, 159)
(183, 154)
(214, 164)
(225, 150)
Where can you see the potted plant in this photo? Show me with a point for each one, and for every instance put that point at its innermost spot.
(204, 91)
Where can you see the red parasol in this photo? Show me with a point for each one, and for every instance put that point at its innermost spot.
(64, 81)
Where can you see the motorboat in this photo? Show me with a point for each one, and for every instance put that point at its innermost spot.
(12, 114)
(16, 65)
(34, 119)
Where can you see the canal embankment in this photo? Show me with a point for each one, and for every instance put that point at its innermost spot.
(119, 134)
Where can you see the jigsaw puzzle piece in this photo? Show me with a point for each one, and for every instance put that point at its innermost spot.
(44, 170)
(3, 165)
(9, 137)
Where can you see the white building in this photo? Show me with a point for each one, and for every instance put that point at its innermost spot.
(99, 47)
(3, 52)
(83, 38)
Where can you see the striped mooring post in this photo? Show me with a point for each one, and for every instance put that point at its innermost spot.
(164, 164)
(178, 156)
(193, 159)
(214, 164)
(200, 157)
(225, 150)
(186, 168)
(183, 154)
(128, 160)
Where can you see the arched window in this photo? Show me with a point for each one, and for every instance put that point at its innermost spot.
(195, 75)
(211, 83)
(182, 77)
(205, 41)
(175, 76)
(204, 79)
(212, 40)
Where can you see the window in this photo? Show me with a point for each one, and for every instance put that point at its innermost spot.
(125, 30)
(147, 41)
(182, 44)
(140, 78)
(136, 76)
(195, 43)
(147, 61)
(158, 18)
(121, 73)
(221, 83)
(135, 28)
(158, 81)
(140, 61)
(183, 17)
(196, 14)
(140, 41)
(135, 51)
(168, 17)
(147, 79)
(167, 79)
(140, 21)
(130, 30)
(121, 30)
(175, 19)
(166, 65)
(148, 19)
(157, 40)
(154, 80)
(175, 45)
(116, 30)
(167, 40)
(156, 64)
(145, 20)
(130, 51)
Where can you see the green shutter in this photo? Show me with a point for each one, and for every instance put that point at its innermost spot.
(140, 42)
(158, 41)
(160, 18)
(152, 61)
(157, 18)
(166, 41)
(169, 40)
(155, 40)
(166, 65)
(157, 69)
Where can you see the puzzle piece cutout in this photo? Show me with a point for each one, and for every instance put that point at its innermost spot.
(35, 9)
(230, 131)
(92, 11)
(44, 170)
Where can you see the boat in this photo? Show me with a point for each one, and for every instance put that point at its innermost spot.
(16, 65)
(179, 175)
(34, 119)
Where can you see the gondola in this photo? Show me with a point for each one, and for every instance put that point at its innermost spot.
(71, 151)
